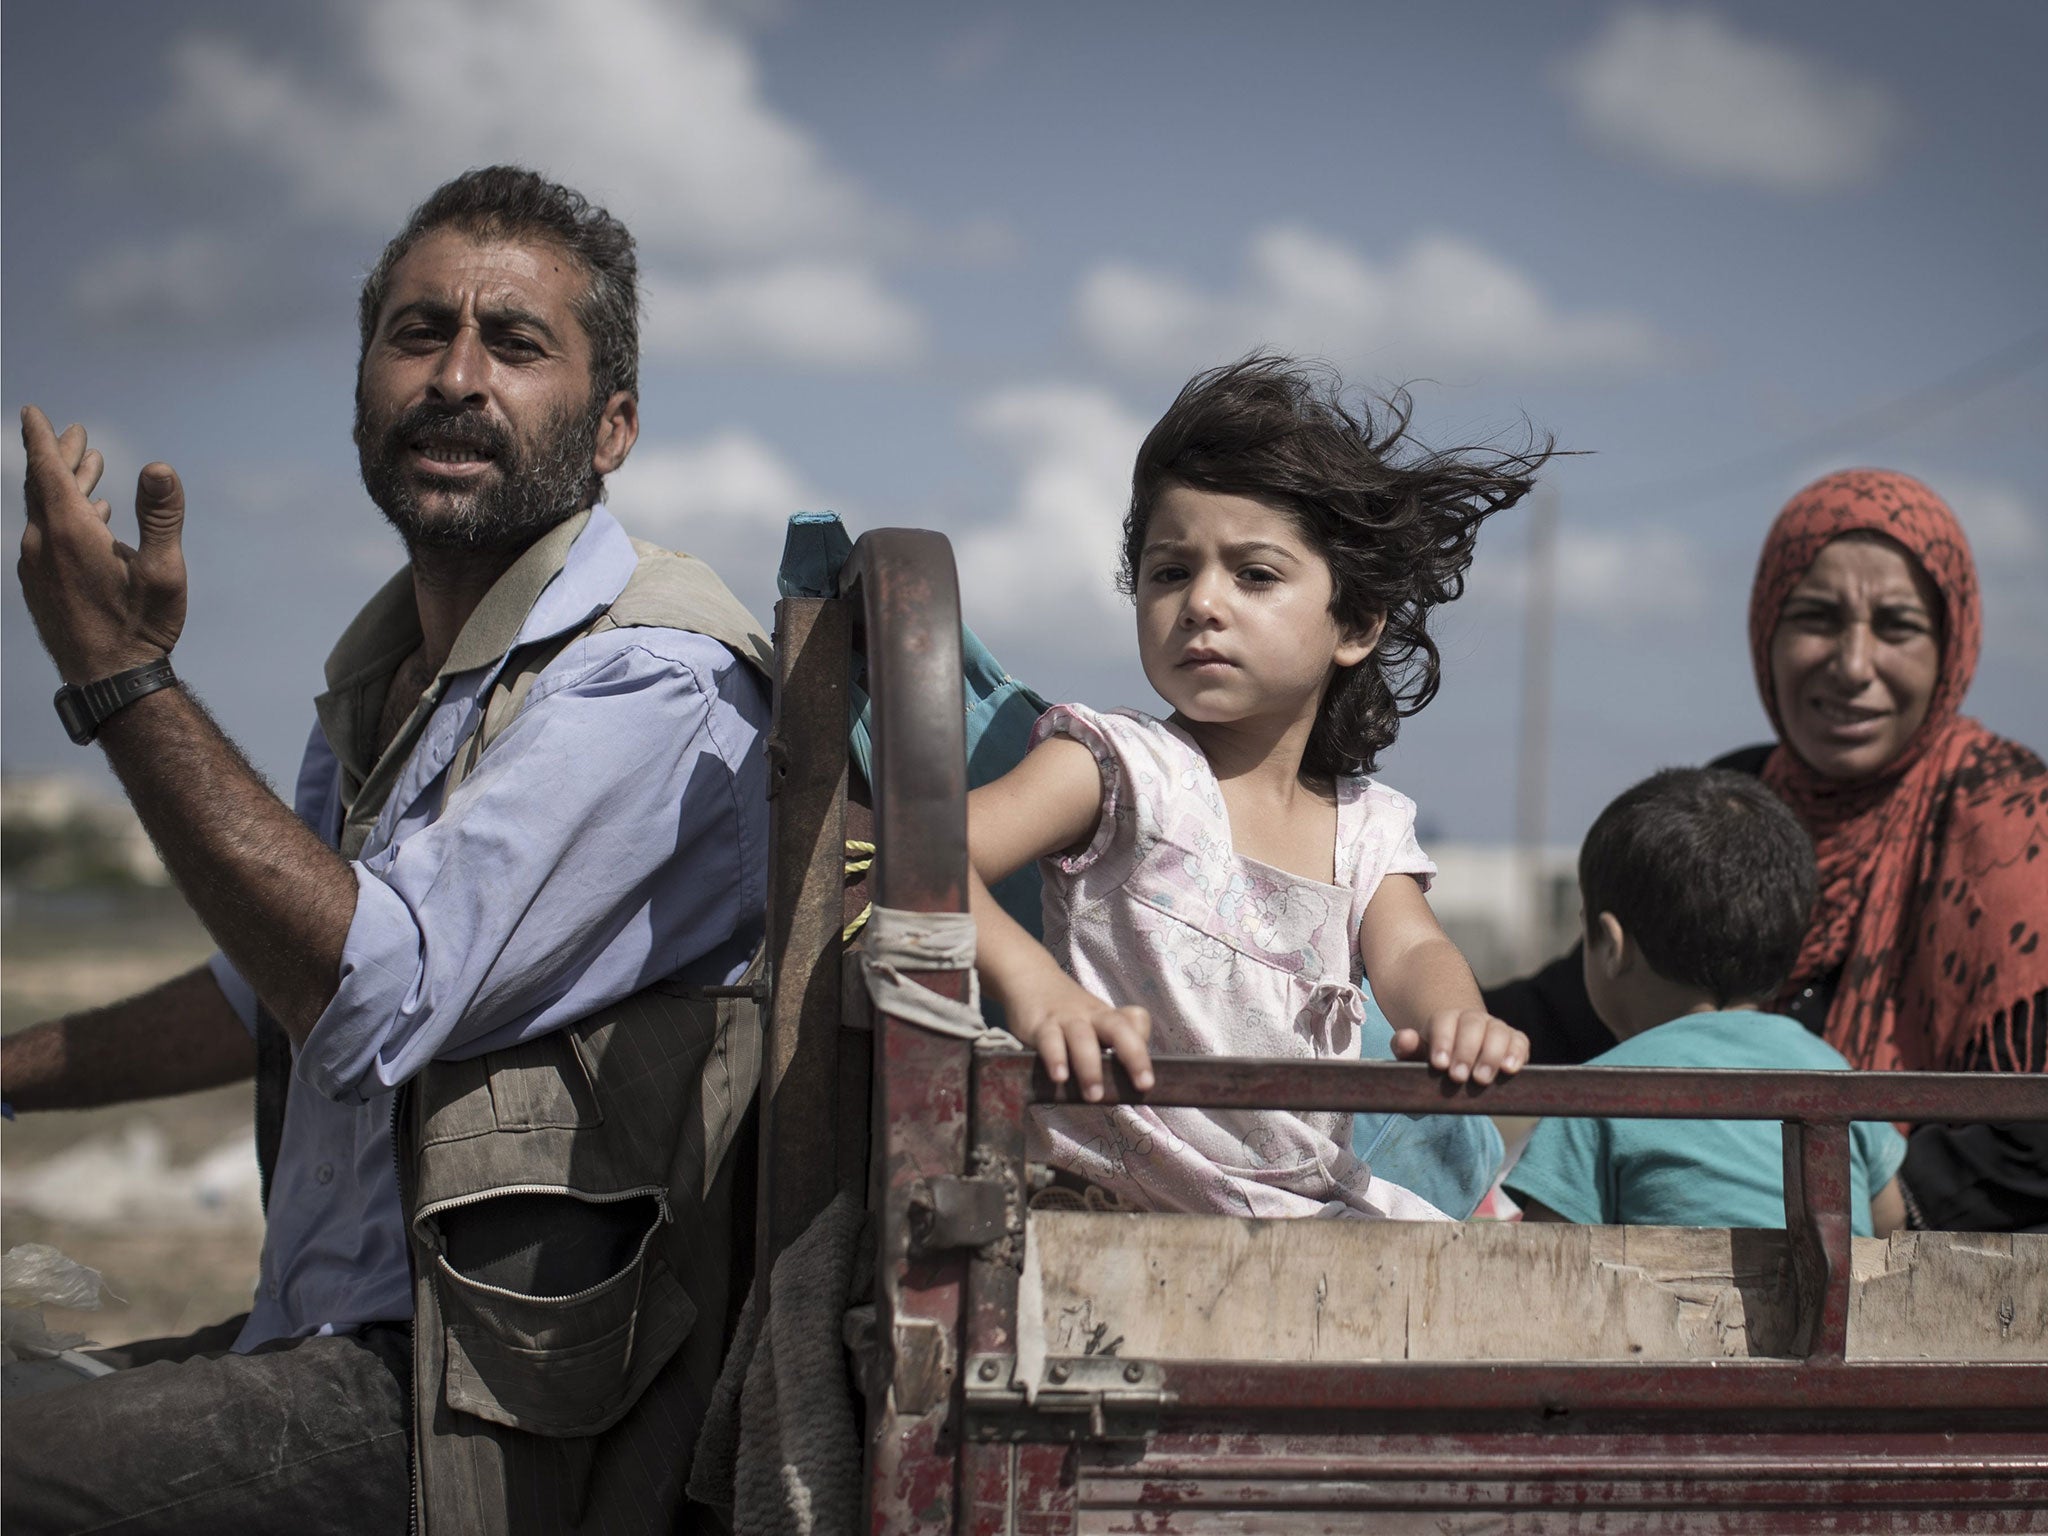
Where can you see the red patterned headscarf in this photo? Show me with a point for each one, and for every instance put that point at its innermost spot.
(1934, 873)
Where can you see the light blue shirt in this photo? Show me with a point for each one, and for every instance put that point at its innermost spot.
(1695, 1173)
(614, 834)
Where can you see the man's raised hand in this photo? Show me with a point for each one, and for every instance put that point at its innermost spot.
(99, 606)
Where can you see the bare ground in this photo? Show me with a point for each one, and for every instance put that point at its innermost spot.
(173, 1274)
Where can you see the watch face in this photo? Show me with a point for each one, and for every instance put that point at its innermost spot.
(75, 714)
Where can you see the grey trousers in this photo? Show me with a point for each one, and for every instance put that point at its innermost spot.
(302, 1437)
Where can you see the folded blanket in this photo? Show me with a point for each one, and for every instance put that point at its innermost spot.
(781, 1444)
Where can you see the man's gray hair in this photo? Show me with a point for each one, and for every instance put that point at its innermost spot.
(509, 202)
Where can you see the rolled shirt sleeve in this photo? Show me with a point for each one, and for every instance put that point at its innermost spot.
(610, 835)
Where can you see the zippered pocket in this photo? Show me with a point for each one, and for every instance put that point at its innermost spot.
(557, 1309)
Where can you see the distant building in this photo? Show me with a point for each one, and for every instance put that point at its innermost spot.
(58, 832)
(1508, 908)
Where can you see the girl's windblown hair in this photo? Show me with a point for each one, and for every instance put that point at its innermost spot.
(1395, 520)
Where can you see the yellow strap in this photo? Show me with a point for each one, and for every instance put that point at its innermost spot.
(860, 859)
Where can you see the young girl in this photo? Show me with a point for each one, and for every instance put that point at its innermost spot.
(1228, 873)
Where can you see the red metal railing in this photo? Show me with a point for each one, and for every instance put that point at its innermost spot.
(946, 1419)
(1816, 1108)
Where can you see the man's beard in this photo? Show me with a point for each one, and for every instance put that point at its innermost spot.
(538, 484)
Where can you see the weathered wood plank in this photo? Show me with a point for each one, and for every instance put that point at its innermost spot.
(1950, 1296)
(1194, 1287)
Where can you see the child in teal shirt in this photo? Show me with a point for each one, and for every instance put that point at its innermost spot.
(1698, 884)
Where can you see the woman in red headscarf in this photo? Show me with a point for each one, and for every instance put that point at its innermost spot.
(1926, 951)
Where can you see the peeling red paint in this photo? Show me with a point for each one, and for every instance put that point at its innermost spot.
(1817, 1444)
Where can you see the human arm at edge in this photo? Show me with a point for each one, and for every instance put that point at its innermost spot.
(1888, 1209)
(276, 899)
(178, 1037)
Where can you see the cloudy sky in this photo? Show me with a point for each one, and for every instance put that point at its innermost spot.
(941, 265)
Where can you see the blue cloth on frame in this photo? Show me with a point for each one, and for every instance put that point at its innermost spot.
(1000, 710)
(1449, 1160)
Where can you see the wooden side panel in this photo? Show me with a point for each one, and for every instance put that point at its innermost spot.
(1191, 1287)
(1949, 1296)
(799, 1076)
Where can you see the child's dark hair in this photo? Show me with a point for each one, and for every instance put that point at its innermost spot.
(1710, 873)
(1397, 535)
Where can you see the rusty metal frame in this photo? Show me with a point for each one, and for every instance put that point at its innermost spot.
(1812, 1442)
(1806, 1442)
(1449, 1476)
(896, 621)
(807, 786)
(909, 605)
(1816, 1109)
(1647, 1093)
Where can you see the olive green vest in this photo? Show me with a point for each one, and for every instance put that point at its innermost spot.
(570, 1200)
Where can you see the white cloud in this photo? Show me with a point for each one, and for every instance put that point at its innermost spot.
(2008, 534)
(193, 275)
(1684, 91)
(1052, 554)
(1616, 578)
(671, 489)
(817, 314)
(2005, 526)
(1623, 577)
(725, 498)
(976, 51)
(754, 245)
(1444, 303)
(653, 105)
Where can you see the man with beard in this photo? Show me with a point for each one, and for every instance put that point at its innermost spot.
(469, 967)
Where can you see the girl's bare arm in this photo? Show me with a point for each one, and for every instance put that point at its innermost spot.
(1427, 992)
(1050, 801)
(1888, 1209)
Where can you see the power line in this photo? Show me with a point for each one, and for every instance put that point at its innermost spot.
(1921, 405)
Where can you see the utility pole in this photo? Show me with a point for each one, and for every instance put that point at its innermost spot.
(1532, 764)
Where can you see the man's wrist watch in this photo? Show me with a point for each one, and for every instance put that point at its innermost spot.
(84, 709)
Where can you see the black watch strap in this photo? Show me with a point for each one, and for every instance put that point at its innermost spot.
(84, 709)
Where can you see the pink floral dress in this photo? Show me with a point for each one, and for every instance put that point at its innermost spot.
(1233, 958)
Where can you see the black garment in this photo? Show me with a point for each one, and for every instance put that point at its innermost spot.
(1551, 1007)
(1983, 1178)
(1958, 1178)
(300, 1437)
